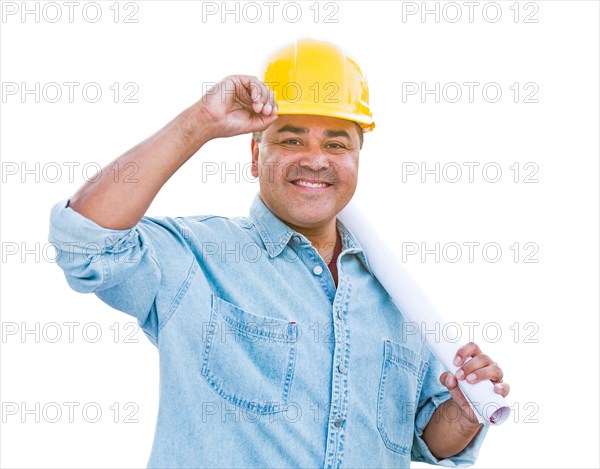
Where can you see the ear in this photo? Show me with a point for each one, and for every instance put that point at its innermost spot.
(254, 148)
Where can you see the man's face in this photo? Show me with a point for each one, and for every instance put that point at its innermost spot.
(307, 168)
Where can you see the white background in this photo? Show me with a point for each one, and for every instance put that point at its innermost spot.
(552, 365)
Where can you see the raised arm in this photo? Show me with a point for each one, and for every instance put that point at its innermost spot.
(238, 104)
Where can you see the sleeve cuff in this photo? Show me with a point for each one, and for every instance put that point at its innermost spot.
(69, 226)
(420, 450)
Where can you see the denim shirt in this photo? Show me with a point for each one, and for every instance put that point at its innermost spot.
(263, 362)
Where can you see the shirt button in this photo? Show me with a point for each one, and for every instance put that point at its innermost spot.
(341, 367)
(340, 315)
(296, 239)
(318, 270)
(338, 422)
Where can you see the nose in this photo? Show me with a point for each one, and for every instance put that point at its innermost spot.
(314, 159)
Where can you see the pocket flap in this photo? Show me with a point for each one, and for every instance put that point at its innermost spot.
(276, 329)
(398, 353)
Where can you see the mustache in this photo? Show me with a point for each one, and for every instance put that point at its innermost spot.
(326, 175)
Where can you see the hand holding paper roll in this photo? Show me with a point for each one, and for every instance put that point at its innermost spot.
(488, 405)
(471, 370)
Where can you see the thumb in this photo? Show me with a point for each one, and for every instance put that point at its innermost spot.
(451, 383)
(260, 122)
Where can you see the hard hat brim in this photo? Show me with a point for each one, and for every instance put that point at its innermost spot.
(318, 110)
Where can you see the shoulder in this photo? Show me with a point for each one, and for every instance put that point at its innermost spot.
(197, 224)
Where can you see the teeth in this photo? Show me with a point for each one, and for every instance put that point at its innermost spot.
(309, 184)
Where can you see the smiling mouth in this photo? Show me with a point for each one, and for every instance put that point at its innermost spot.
(317, 185)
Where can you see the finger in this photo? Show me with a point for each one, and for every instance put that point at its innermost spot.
(502, 388)
(480, 361)
(250, 83)
(261, 96)
(267, 108)
(469, 350)
(490, 372)
(258, 107)
(448, 380)
(251, 91)
(270, 107)
(254, 92)
(265, 101)
(260, 122)
(259, 91)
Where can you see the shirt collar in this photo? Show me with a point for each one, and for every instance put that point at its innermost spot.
(349, 242)
(275, 234)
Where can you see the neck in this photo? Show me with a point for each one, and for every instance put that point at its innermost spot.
(322, 238)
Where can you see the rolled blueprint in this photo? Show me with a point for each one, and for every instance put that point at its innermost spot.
(490, 407)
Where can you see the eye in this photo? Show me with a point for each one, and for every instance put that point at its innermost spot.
(336, 146)
(292, 141)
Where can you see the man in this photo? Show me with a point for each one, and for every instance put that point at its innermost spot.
(278, 348)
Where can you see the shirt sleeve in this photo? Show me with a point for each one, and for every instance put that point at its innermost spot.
(140, 271)
(433, 394)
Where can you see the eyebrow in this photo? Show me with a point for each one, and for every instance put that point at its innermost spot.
(292, 129)
(304, 130)
(337, 133)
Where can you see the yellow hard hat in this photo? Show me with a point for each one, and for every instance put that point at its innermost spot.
(317, 78)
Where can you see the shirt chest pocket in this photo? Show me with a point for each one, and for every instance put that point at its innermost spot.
(249, 359)
(401, 380)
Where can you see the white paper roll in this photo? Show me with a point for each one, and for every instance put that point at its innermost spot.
(490, 407)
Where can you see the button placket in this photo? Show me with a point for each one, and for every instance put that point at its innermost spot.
(339, 408)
